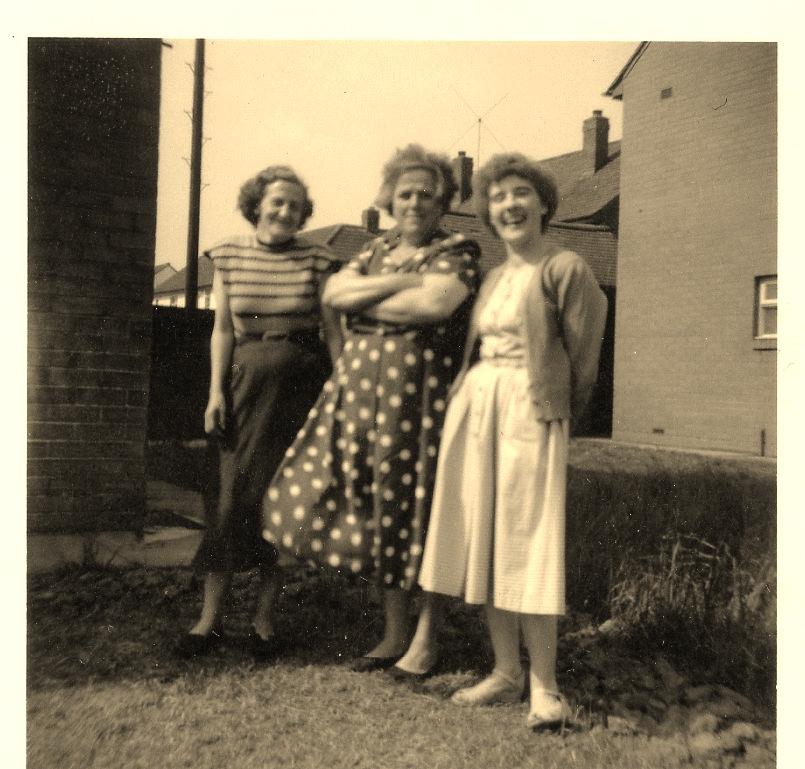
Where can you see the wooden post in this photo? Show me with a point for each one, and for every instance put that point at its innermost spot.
(191, 272)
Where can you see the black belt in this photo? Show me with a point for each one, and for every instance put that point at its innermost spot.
(304, 337)
(364, 326)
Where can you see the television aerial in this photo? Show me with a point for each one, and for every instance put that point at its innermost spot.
(479, 125)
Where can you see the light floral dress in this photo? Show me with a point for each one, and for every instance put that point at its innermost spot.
(497, 527)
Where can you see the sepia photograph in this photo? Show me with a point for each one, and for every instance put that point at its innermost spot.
(401, 403)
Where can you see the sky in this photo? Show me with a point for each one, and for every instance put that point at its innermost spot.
(336, 111)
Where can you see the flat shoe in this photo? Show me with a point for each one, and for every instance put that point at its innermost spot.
(495, 689)
(192, 645)
(552, 711)
(369, 664)
(402, 676)
(263, 649)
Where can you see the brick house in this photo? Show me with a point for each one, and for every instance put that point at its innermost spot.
(93, 126)
(171, 291)
(696, 333)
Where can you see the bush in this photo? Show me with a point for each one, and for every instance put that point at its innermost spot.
(684, 560)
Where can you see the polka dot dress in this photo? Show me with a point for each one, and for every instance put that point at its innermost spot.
(354, 489)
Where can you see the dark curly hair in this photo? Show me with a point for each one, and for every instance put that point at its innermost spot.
(513, 164)
(252, 192)
(414, 156)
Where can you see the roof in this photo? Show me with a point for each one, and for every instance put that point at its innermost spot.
(344, 239)
(581, 196)
(615, 89)
(597, 244)
(162, 272)
(591, 194)
(176, 283)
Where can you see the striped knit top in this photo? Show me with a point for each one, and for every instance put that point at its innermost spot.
(272, 289)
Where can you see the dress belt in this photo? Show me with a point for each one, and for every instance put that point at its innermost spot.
(304, 336)
(500, 361)
(379, 328)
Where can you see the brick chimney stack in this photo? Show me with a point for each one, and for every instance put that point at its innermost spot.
(462, 170)
(595, 149)
(370, 219)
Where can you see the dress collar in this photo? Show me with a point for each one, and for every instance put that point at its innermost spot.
(391, 238)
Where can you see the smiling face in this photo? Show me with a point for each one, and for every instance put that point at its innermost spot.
(280, 212)
(415, 206)
(515, 210)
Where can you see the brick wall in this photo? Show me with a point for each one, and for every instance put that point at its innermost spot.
(697, 225)
(93, 133)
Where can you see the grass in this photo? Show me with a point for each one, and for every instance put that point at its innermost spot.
(711, 609)
(104, 690)
(671, 544)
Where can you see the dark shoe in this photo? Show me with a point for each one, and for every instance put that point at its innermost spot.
(263, 649)
(406, 676)
(368, 664)
(193, 645)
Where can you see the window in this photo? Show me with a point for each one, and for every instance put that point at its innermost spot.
(766, 307)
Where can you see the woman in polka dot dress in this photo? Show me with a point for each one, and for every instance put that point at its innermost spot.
(354, 489)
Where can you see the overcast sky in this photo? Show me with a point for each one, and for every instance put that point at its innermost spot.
(336, 110)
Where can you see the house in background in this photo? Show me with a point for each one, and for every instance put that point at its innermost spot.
(162, 272)
(588, 179)
(696, 329)
(171, 292)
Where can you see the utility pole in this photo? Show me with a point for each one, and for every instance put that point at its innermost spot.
(191, 272)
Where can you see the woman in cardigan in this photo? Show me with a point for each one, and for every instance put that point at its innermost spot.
(353, 491)
(497, 527)
(268, 364)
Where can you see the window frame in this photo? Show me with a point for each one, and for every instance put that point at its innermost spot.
(762, 303)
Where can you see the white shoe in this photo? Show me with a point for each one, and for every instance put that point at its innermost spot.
(549, 709)
(495, 689)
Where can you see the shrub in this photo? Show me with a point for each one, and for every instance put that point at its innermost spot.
(684, 560)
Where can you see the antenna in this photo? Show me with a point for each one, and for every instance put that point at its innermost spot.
(478, 124)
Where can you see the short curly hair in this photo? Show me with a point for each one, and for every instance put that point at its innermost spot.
(412, 157)
(513, 164)
(253, 190)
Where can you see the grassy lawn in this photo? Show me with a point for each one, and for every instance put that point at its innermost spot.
(104, 690)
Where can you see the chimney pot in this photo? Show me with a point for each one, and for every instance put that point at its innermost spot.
(370, 219)
(595, 149)
(462, 170)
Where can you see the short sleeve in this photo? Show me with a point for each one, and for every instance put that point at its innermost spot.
(360, 262)
(458, 256)
(327, 263)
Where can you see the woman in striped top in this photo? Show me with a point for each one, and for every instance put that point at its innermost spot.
(272, 349)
